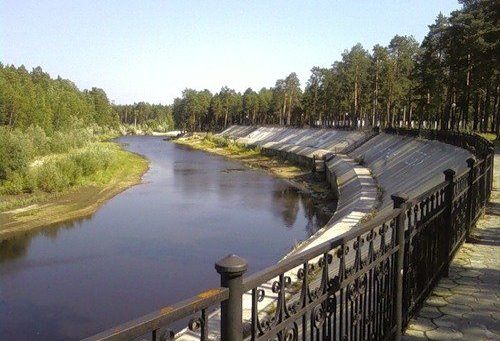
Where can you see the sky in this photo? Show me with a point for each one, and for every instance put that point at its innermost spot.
(151, 50)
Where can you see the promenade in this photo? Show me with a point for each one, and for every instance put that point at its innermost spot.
(466, 304)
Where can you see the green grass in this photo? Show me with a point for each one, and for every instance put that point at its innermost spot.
(230, 145)
(489, 136)
(492, 138)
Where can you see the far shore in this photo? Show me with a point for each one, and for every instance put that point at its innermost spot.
(76, 202)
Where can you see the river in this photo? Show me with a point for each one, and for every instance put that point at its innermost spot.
(152, 245)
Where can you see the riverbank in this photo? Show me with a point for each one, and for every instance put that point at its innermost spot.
(298, 177)
(30, 211)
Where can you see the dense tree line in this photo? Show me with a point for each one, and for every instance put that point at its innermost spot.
(152, 116)
(35, 99)
(449, 81)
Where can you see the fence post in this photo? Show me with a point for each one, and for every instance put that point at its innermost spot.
(491, 152)
(470, 195)
(485, 184)
(231, 269)
(399, 200)
(449, 176)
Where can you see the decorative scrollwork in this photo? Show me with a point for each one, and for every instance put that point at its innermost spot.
(300, 274)
(356, 319)
(261, 294)
(291, 333)
(167, 335)
(349, 289)
(293, 307)
(362, 284)
(319, 316)
(358, 243)
(265, 323)
(328, 257)
(334, 283)
(342, 251)
(195, 324)
(315, 293)
(276, 287)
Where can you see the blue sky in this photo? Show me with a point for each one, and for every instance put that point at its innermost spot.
(152, 50)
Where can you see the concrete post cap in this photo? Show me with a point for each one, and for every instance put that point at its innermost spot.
(231, 264)
(449, 173)
(399, 198)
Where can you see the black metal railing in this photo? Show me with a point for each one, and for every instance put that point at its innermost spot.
(365, 284)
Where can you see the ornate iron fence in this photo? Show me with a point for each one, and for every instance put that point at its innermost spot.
(363, 285)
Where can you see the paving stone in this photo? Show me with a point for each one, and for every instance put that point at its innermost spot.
(449, 321)
(421, 324)
(443, 333)
(471, 273)
(465, 290)
(436, 301)
(455, 309)
(442, 292)
(472, 288)
(430, 312)
(462, 299)
(414, 335)
(466, 281)
(481, 320)
(478, 333)
(447, 283)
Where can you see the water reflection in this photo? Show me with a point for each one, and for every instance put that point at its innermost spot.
(16, 246)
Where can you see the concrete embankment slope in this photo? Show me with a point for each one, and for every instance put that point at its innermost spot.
(406, 164)
(396, 163)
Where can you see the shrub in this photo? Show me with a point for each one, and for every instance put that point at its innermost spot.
(14, 184)
(16, 151)
(38, 139)
(30, 182)
(50, 179)
(70, 170)
(92, 159)
(62, 142)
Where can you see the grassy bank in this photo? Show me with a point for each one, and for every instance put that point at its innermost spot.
(299, 177)
(61, 186)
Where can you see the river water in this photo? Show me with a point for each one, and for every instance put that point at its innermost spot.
(150, 246)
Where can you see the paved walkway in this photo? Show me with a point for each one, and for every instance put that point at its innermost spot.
(466, 305)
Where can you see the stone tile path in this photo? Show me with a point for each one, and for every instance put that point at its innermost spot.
(466, 305)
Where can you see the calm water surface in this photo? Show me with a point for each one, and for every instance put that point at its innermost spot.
(152, 245)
